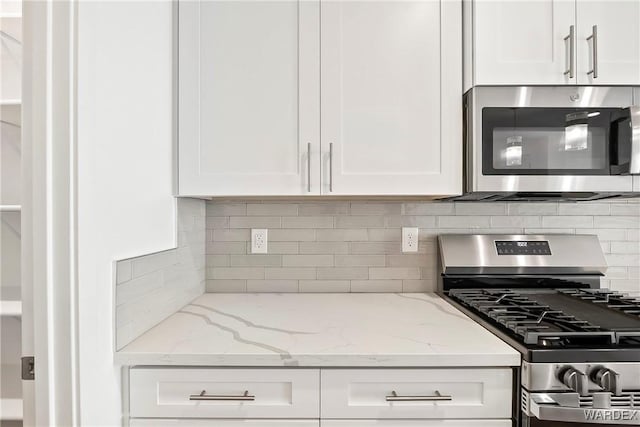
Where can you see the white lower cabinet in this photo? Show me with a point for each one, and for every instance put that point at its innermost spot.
(415, 423)
(224, 393)
(225, 423)
(416, 393)
(290, 397)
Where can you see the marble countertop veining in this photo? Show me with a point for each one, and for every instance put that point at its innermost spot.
(316, 330)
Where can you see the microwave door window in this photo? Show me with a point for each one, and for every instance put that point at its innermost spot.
(569, 142)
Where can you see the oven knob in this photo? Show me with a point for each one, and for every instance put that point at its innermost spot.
(575, 380)
(608, 379)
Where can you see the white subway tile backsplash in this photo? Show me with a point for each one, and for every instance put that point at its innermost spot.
(354, 246)
(272, 286)
(359, 221)
(465, 222)
(424, 285)
(255, 260)
(282, 248)
(324, 286)
(343, 273)
(226, 209)
(286, 273)
(307, 260)
(475, 208)
(394, 273)
(271, 209)
(343, 235)
(616, 222)
(151, 287)
(522, 221)
(410, 221)
(226, 285)
(532, 208)
(255, 222)
(235, 273)
(217, 260)
(584, 209)
(226, 247)
(325, 208)
(230, 235)
(378, 209)
(360, 260)
(307, 222)
(385, 234)
(372, 248)
(631, 209)
(292, 235)
(324, 247)
(123, 271)
(428, 209)
(376, 286)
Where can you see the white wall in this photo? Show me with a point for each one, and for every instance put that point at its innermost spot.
(125, 204)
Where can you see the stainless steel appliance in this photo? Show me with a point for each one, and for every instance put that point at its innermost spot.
(580, 344)
(542, 143)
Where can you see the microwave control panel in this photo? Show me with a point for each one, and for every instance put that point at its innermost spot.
(523, 247)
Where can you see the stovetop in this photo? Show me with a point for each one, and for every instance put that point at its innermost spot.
(564, 319)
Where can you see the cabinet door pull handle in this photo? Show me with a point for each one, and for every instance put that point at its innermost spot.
(594, 43)
(203, 396)
(395, 397)
(331, 167)
(309, 167)
(572, 53)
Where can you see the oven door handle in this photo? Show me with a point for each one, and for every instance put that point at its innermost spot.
(634, 164)
(553, 412)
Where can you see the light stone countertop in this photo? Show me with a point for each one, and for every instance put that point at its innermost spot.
(319, 330)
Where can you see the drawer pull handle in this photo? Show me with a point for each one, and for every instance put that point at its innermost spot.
(203, 396)
(395, 397)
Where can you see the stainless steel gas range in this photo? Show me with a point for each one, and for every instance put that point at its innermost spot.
(580, 344)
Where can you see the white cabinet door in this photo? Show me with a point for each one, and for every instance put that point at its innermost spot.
(617, 42)
(522, 42)
(224, 393)
(155, 422)
(415, 423)
(391, 76)
(416, 393)
(248, 97)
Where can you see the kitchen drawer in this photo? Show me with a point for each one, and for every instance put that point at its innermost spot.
(171, 393)
(369, 393)
(415, 423)
(140, 422)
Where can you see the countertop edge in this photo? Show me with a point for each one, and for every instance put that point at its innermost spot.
(319, 361)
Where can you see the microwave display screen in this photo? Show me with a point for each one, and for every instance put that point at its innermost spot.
(523, 247)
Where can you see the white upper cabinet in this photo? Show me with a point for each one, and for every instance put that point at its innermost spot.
(391, 97)
(253, 76)
(608, 38)
(551, 42)
(519, 42)
(248, 97)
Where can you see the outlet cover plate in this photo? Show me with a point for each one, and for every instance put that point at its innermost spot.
(259, 240)
(410, 239)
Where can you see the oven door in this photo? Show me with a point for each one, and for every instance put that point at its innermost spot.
(570, 410)
(552, 139)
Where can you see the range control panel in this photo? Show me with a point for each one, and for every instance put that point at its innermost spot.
(523, 247)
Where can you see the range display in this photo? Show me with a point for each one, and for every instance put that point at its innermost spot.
(524, 247)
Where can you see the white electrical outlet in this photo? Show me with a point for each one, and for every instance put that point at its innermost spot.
(409, 239)
(259, 241)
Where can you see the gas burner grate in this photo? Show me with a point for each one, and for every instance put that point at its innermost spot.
(610, 299)
(525, 314)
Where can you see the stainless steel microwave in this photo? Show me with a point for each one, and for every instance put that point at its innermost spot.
(551, 143)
